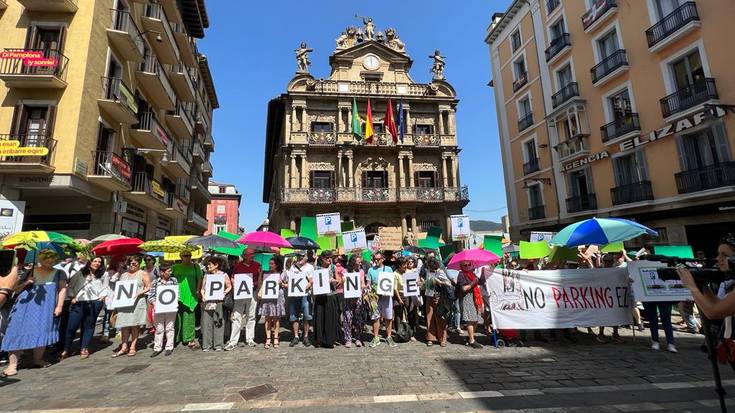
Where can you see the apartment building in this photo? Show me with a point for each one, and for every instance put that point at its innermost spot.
(223, 213)
(105, 115)
(617, 108)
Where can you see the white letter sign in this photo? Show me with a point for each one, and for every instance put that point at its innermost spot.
(214, 287)
(410, 284)
(354, 240)
(126, 292)
(297, 284)
(385, 283)
(352, 285)
(243, 286)
(460, 227)
(270, 286)
(328, 224)
(167, 299)
(321, 282)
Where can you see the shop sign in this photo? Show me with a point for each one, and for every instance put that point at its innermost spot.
(21, 54)
(128, 98)
(13, 148)
(584, 161)
(121, 168)
(156, 187)
(180, 206)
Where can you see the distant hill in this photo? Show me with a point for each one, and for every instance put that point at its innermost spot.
(485, 226)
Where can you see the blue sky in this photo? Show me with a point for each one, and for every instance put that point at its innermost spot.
(250, 51)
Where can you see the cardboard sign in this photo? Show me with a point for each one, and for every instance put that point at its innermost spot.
(411, 284)
(270, 286)
(243, 286)
(297, 284)
(647, 286)
(391, 238)
(167, 299)
(385, 283)
(214, 287)
(460, 227)
(126, 292)
(328, 224)
(351, 284)
(321, 282)
(354, 240)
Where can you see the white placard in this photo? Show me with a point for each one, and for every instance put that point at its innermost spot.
(328, 224)
(647, 286)
(541, 236)
(243, 286)
(411, 284)
(271, 284)
(385, 283)
(354, 240)
(460, 227)
(11, 216)
(321, 282)
(351, 283)
(126, 292)
(297, 284)
(214, 287)
(167, 299)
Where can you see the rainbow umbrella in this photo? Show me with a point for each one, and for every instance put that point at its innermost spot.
(30, 238)
(600, 231)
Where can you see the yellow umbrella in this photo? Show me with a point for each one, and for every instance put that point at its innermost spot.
(175, 256)
(166, 246)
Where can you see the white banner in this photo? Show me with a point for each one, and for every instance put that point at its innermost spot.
(271, 284)
(167, 299)
(126, 292)
(411, 284)
(460, 227)
(297, 284)
(354, 240)
(328, 224)
(321, 282)
(214, 287)
(243, 286)
(560, 299)
(648, 287)
(385, 283)
(351, 282)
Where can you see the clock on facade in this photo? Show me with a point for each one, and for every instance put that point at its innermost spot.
(371, 62)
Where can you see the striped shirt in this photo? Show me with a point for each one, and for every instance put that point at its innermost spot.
(156, 283)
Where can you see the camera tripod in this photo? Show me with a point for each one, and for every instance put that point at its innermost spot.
(712, 355)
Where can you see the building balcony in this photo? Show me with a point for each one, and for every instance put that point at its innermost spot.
(551, 5)
(531, 166)
(380, 140)
(426, 141)
(175, 207)
(160, 34)
(208, 142)
(581, 203)
(622, 127)
(28, 153)
(374, 195)
(125, 37)
(50, 6)
(572, 148)
(181, 82)
(147, 192)
(197, 220)
(178, 165)
(520, 82)
(629, 193)
(561, 44)
(525, 122)
(182, 190)
(118, 101)
(598, 14)
(344, 87)
(673, 26)
(187, 47)
(110, 171)
(180, 122)
(154, 83)
(610, 67)
(322, 138)
(149, 134)
(421, 194)
(690, 96)
(33, 68)
(709, 177)
(206, 168)
(201, 125)
(564, 94)
(198, 151)
(537, 212)
(199, 187)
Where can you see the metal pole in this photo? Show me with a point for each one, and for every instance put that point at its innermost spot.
(712, 355)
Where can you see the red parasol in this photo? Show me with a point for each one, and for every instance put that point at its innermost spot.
(121, 246)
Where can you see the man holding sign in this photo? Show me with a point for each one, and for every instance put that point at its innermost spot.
(298, 284)
(164, 298)
(382, 284)
(245, 300)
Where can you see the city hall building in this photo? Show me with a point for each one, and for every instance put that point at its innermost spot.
(314, 163)
(617, 108)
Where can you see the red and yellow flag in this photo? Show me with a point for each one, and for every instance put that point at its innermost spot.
(369, 133)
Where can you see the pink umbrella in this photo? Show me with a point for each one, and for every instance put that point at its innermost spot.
(264, 239)
(478, 257)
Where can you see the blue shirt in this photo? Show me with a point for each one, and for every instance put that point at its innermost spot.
(374, 273)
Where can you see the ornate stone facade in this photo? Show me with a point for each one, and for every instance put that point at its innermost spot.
(314, 163)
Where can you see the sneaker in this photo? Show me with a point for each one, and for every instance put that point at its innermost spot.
(251, 343)
(229, 347)
(655, 346)
(390, 342)
(156, 353)
(306, 342)
(218, 348)
(358, 343)
(206, 349)
(375, 342)
(348, 344)
(168, 353)
(294, 342)
(475, 344)
(640, 327)
(671, 348)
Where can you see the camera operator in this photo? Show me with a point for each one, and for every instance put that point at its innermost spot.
(713, 307)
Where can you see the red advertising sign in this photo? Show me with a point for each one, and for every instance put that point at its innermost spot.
(21, 54)
(122, 167)
(162, 136)
(180, 206)
(42, 62)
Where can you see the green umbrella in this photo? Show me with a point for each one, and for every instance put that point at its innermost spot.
(230, 251)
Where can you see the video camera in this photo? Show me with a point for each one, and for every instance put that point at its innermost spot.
(703, 271)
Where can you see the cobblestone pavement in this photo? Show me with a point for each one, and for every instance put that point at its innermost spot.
(543, 377)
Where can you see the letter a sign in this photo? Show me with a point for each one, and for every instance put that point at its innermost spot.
(243, 286)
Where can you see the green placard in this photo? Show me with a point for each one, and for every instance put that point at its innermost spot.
(678, 251)
(347, 225)
(263, 259)
(494, 244)
(614, 247)
(327, 242)
(287, 233)
(308, 228)
(562, 254)
(534, 250)
(434, 232)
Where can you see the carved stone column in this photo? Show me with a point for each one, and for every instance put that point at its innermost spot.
(445, 175)
(410, 171)
(351, 172)
(339, 120)
(293, 171)
(285, 175)
(452, 115)
(455, 168)
(294, 118)
(414, 227)
(304, 175)
(401, 172)
(404, 225)
(441, 123)
(304, 120)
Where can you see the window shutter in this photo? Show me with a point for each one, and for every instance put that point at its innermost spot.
(723, 149)
(16, 125)
(642, 165)
(50, 121)
(681, 147)
(62, 38)
(31, 37)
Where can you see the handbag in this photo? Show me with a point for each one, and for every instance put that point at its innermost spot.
(404, 332)
(229, 301)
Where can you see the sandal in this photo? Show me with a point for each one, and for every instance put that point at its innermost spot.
(276, 342)
(132, 353)
(429, 343)
(84, 354)
(120, 353)
(267, 344)
(10, 373)
(64, 355)
(193, 345)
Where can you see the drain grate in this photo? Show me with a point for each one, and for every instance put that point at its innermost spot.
(252, 393)
(133, 369)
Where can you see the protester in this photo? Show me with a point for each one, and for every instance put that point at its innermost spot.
(213, 320)
(471, 300)
(300, 306)
(272, 309)
(163, 322)
(112, 273)
(130, 319)
(652, 309)
(714, 307)
(326, 307)
(436, 306)
(353, 313)
(381, 306)
(245, 309)
(88, 290)
(189, 276)
(407, 307)
(68, 267)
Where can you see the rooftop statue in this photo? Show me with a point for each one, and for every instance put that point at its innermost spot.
(369, 27)
(438, 67)
(347, 39)
(302, 58)
(392, 41)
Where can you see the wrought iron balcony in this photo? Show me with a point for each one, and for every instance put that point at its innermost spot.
(569, 91)
(196, 219)
(582, 203)
(708, 177)
(525, 122)
(531, 166)
(621, 126)
(111, 165)
(573, 147)
(27, 162)
(609, 64)
(125, 37)
(557, 45)
(688, 97)
(551, 5)
(520, 82)
(672, 23)
(598, 10)
(537, 212)
(33, 68)
(429, 194)
(322, 138)
(377, 194)
(118, 101)
(322, 195)
(629, 193)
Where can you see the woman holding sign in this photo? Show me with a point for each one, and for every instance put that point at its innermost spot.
(88, 290)
(216, 285)
(131, 318)
(436, 281)
(353, 314)
(272, 308)
(470, 299)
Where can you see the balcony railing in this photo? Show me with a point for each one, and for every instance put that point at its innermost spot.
(537, 212)
(629, 193)
(520, 82)
(572, 147)
(525, 122)
(708, 177)
(330, 195)
(598, 9)
(110, 164)
(33, 62)
(609, 64)
(122, 21)
(322, 138)
(322, 195)
(557, 45)
(141, 182)
(183, 191)
(623, 125)
(531, 166)
(582, 203)
(671, 23)
(377, 194)
(114, 89)
(426, 140)
(688, 97)
(151, 65)
(567, 92)
(40, 139)
(551, 5)
(371, 88)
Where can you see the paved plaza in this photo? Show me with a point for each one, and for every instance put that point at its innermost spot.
(542, 377)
